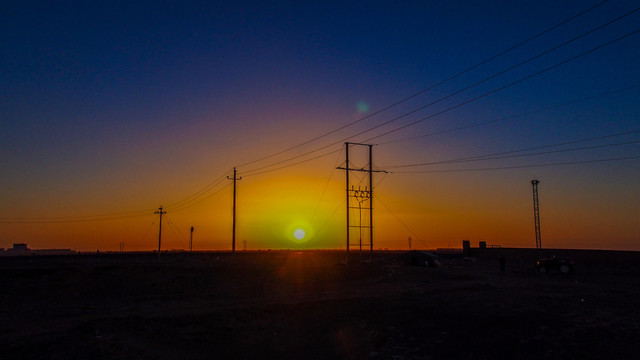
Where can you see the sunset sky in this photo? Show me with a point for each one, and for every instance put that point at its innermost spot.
(110, 109)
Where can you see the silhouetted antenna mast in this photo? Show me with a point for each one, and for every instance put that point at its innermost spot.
(351, 193)
(160, 228)
(536, 213)
(233, 232)
(191, 240)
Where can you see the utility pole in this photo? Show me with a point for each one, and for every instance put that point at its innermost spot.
(160, 228)
(346, 168)
(369, 191)
(233, 232)
(536, 213)
(371, 199)
(191, 240)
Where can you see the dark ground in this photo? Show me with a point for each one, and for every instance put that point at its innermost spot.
(298, 305)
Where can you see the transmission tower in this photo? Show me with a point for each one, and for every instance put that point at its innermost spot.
(362, 194)
(536, 213)
(160, 228)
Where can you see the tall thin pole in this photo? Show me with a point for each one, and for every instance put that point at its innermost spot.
(360, 227)
(346, 145)
(160, 228)
(233, 232)
(371, 198)
(191, 240)
(536, 213)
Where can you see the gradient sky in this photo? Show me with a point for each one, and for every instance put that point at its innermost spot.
(110, 109)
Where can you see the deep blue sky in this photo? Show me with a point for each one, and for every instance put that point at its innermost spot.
(107, 96)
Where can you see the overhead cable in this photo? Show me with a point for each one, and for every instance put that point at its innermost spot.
(394, 104)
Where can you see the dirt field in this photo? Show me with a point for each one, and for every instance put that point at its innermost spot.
(311, 305)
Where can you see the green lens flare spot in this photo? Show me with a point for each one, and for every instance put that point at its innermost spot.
(363, 107)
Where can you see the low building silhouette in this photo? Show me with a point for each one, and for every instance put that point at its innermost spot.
(21, 249)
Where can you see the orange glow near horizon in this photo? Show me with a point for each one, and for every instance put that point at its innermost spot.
(434, 212)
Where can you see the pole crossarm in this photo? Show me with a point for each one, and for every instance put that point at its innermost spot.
(362, 170)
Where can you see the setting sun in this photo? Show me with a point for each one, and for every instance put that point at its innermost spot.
(299, 234)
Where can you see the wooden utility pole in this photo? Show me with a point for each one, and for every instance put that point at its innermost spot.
(346, 168)
(160, 228)
(233, 232)
(371, 199)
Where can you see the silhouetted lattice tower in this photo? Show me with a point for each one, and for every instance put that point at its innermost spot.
(353, 193)
(536, 213)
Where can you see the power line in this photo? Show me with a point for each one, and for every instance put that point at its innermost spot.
(505, 86)
(104, 217)
(201, 192)
(522, 166)
(144, 235)
(400, 220)
(176, 231)
(256, 171)
(290, 165)
(185, 206)
(551, 151)
(496, 90)
(327, 220)
(68, 220)
(513, 67)
(326, 185)
(465, 127)
(501, 156)
(192, 199)
(403, 100)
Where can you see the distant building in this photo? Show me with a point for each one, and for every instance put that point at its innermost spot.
(21, 249)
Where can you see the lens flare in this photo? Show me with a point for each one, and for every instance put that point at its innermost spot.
(363, 107)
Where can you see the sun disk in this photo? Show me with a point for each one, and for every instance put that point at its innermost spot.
(299, 234)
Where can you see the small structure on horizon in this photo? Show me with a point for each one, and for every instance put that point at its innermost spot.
(21, 249)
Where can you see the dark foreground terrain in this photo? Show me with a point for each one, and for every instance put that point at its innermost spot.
(311, 305)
